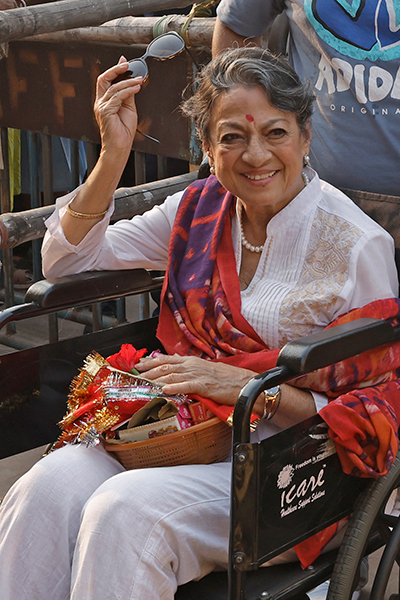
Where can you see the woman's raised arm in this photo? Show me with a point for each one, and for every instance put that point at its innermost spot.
(116, 115)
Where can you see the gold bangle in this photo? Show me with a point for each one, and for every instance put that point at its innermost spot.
(79, 215)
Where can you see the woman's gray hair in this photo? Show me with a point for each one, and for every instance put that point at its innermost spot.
(249, 66)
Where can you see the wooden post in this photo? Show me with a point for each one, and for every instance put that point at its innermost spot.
(135, 30)
(17, 228)
(67, 14)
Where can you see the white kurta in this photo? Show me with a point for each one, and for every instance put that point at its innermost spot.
(322, 257)
(77, 525)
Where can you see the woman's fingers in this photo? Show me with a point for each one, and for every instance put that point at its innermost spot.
(116, 93)
(147, 363)
(120, 91)
(175, 373)
(191, 375)
(114, 98)
(105, 79)
(156, 368)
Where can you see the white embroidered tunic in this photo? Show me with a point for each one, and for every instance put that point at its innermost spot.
(322, 257)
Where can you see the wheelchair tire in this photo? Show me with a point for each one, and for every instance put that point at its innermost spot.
(368, 516)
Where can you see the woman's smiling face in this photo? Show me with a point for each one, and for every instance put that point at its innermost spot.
(257, 149)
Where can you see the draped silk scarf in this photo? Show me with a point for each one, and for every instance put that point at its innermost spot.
(200, 316)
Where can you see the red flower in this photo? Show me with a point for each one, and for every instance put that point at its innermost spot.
(126, 358)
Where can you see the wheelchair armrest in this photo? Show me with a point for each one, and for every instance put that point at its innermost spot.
(44, 297)
(89, 287)
(335, 344)
(308, 354)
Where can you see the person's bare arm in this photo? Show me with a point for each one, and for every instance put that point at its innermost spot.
(116, 115)
(224, 37)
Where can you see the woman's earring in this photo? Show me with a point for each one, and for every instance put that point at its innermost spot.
(306, 160)
(212, 169)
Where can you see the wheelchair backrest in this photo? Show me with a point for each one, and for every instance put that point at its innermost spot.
(286, 488)
(384, 209)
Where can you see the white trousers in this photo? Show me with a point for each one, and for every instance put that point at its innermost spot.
(78, 526)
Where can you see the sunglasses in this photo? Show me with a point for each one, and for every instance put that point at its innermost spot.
(163, 47)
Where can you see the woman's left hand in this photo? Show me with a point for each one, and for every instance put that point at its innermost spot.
(191, 375)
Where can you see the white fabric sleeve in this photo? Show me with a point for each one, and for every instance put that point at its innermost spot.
(249, 18)
(320, 400)
(372, 273)
(141, 242)
(373, 276)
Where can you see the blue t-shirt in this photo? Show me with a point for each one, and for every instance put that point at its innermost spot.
(350, 51)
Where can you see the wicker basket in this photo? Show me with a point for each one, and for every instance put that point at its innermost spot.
(205, 443)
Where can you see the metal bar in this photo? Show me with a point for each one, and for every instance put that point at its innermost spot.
(121, 310)
(8, 285)
(53, 328)
(140, 177)
(144, 306)
(75, 163)
(7, 255)
(37, 260)
(47, 162)
(140, 167)
(161, 167)
(33, 157)
(389, 556)
(13, 341)
(85, 317)
(97, 316)
(18, 296)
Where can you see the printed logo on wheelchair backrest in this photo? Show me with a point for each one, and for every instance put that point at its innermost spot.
(303, 486)
(361, 29)
(300, 489)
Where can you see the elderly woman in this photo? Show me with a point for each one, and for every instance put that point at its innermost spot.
(258, 254)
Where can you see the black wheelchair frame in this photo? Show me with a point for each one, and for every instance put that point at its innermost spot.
(32, 399)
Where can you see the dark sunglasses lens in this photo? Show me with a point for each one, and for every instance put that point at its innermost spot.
(166, 46)
(137, 68)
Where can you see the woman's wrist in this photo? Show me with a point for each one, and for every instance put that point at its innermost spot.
(288, 405)
(115, 156)
(111, 164)
(97, 192)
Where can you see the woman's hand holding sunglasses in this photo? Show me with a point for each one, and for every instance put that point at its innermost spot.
(115, 108)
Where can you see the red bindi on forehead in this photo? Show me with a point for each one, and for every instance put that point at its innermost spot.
(250, 118)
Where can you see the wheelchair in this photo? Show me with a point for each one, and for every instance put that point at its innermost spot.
(267, 517)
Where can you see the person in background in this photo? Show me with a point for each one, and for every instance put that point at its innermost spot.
(350, 52)
(257, 254)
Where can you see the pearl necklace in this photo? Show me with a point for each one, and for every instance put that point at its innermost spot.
(245, 242)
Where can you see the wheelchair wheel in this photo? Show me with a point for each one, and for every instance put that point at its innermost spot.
(368, 519)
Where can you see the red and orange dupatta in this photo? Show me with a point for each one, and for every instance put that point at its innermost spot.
(200, 315)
